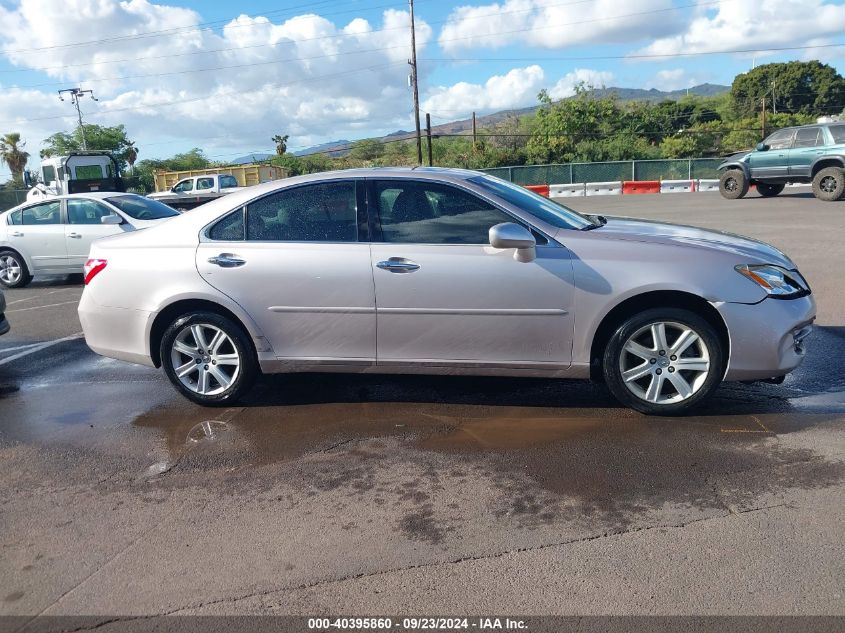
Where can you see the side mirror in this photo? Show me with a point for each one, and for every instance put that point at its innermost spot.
(112, 219)
(510, 235)
(762, 147)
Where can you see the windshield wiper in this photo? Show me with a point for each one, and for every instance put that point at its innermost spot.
(597, 220)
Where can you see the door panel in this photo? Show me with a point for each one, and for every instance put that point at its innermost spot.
(312, 301)
(805, 149)
(472, 304)
(301, 274)
(774, 162)
(41, 236)
(84, 226)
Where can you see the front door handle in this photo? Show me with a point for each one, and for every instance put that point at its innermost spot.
(74, 235)
(227, 260)
(398, 265)
(17, 234)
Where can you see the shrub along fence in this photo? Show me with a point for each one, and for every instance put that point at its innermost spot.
(568, 173)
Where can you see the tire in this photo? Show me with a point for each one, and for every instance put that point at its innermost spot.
(13, 270)
(769, 191)
(829, 184)
(733, 184)
(652, 389)
(213, 382)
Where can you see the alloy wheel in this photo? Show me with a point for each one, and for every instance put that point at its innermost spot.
(205, 359)
(828, 184)
(10, 270)
(731, 184)
(664, 362)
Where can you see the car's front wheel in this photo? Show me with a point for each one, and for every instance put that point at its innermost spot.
(13, 270)
(664, 361)
(208, 358)
(829, 184)
(768, 191)
(733, 184)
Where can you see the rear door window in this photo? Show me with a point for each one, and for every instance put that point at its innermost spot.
(42, 214)
(808, 137)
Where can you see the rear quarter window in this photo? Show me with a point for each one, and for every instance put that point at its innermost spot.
(838, 133)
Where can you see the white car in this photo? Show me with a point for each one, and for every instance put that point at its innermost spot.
(54, 236)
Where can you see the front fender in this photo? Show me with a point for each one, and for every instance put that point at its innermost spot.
(736, 165)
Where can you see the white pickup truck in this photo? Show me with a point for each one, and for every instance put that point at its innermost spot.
(196, 190)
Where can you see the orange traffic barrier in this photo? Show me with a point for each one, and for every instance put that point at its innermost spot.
(641, 186)
(543, 190)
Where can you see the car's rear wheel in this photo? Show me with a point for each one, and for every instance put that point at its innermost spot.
(208, 358)
(733, 184)
(664, 361)
(769, 191)
(829, 184)
(13, 270)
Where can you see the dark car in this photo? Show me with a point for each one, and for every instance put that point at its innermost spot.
(810, 154)
(4, 324)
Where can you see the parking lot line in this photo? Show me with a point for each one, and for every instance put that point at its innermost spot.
(49, 305)
(52, 292)
(40, 347)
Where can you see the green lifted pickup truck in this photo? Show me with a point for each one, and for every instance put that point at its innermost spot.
(806, 154)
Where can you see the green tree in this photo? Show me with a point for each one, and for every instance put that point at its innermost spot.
(97, 137)
(367, 149)
(809, 88)
(281, 143)
(13, 155)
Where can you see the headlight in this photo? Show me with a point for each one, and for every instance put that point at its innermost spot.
(776, 281)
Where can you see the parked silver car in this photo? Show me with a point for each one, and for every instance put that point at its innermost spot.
(439, 271)
(54, 236)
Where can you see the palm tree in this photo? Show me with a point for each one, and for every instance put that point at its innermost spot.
(281, 144)
(11, 153)
(131, 154)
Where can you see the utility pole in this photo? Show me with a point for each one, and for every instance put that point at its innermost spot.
(413, 64)
(764, 116)
(428, 134)
(774, 100)
(474, 134)
(75, 95)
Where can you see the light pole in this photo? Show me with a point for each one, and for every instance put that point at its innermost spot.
(75, 95)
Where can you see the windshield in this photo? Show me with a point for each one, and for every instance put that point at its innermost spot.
(535, 204)
(141, 208)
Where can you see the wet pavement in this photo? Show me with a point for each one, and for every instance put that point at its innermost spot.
(407, 494)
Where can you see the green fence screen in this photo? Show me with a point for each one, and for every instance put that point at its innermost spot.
(11, 198)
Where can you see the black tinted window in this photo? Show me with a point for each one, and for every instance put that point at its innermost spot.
(39, 214)
(808, 137)
(430, 213)
(324, 212)
(838, 132)
(229, 229)
(141, 208)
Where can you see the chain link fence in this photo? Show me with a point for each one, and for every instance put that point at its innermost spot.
(11, 198)
(564, 174)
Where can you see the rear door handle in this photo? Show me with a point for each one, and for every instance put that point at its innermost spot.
(227, 260)
(74, 235)
(16, 234)
(398, 265)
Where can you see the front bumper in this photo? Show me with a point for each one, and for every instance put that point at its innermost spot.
(119, 333)
(768, 339)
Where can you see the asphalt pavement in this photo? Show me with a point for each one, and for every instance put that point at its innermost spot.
(331, 494)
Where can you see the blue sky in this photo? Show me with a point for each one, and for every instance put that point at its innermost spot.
(184, 73)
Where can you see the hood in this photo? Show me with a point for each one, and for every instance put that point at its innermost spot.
(737, 156)
(746, 249)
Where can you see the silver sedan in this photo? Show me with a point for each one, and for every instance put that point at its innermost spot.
(437, 271)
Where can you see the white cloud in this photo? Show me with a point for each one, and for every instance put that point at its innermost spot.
(745, 24)
(565, 87)
(519, 87)
(556, 24)
(304, 76)
(674, 79)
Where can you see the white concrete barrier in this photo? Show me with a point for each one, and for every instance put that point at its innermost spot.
(604, 188)
(677, 186)
(707, 185)
(567, 191)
